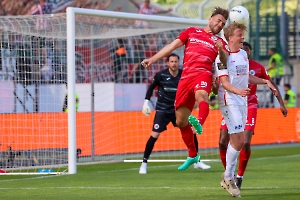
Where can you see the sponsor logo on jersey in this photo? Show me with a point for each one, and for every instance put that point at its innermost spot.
(199, 31)
(195, 40)
(168, 78)
(221, 66)
(241, 69)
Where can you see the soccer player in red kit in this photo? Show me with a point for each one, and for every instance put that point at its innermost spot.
(201, 49)
(259, 71)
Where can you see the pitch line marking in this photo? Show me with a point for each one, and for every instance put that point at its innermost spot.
(131, 169)
(144, 188)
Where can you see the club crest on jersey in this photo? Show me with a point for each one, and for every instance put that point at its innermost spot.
(221, 66)
(214, 38)
(156, 126)
(198, 31)
(252, 72)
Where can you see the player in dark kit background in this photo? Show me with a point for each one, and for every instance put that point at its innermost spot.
(167, 82)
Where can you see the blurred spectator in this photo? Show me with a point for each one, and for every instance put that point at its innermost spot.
(42, 24)
(65, 106)
(145, 8)
(213, 103)
(102, 5)
(290, 96)
(138, 72)
(8, 55)
(275, 68)
(119, 59)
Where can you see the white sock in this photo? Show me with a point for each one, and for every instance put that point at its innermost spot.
(231, 160)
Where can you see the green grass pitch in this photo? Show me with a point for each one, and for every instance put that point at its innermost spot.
(273, 173)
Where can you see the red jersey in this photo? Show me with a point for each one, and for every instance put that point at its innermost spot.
(259, 71)
(200, 50)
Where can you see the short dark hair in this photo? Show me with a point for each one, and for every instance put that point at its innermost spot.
(247, 45)
(287, 85)
(172, 55)
(221, 11)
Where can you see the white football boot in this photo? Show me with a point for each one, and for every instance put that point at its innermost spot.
(201, 165)
(143, 168)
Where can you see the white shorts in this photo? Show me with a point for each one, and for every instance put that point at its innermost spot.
(235, 117)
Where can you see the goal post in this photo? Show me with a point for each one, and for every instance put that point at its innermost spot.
(71, 37)
(106, 124)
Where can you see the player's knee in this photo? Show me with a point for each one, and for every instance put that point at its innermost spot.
(201, 96)
(246, 146)
(224, 139)
(155, 134)
(223, 143)
(181, 123)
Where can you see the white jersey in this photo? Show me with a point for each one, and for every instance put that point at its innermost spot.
(237, 70)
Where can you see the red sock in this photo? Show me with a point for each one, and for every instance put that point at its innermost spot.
(188, 138)
(203, 112)
(223, 157)
(244, 158)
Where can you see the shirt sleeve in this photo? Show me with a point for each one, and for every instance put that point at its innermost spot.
(184, 35)
(264, 73)
(220, 68)
(155, 82)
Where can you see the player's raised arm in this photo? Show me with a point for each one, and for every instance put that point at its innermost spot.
(162, 53)
(223, 55)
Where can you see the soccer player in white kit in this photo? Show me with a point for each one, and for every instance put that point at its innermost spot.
(232, 96)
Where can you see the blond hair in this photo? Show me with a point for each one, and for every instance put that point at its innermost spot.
(228, 30)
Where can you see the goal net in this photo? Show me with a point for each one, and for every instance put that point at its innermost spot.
(94, 57)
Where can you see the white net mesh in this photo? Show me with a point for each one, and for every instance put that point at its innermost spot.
(110, 86)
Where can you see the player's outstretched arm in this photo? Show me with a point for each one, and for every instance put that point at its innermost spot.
(230, 88)
(162, 53)
(260, 81)
(280, 100)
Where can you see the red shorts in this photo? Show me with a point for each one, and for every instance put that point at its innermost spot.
(251, 120)
(187, 87)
